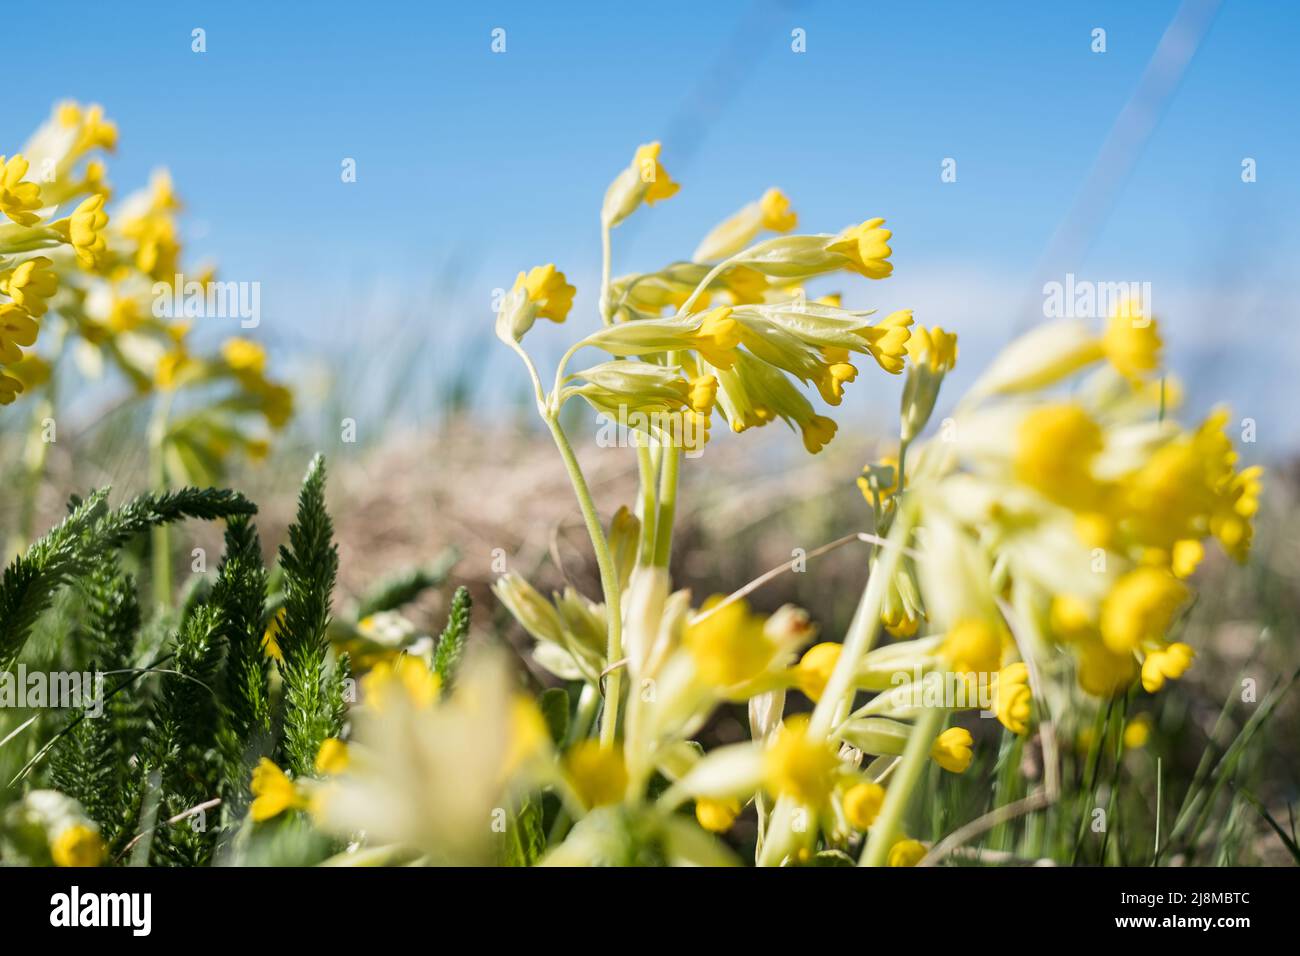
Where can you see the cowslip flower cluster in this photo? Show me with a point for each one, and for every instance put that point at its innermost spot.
(96, 279)
(731, 330)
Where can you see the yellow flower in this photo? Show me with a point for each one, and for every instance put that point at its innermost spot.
(85, 230)
(332, 757)
(1231, 521)
(270, 642)
(529, 734)
(10, 388)
(658, 184)
(972, 647)
(737, 231)
(1014, 697)
(777, 214)
(1103, 673)
(1137, 732)
(833, 379)
(799, 767)
(1132, 341)
(933, 348)
(1186, 556)
(862, 804)
(1054, 451)
(865, 248)
(952, 749)
(888, 339)
(1072, 618)
(729, 646)
(17, 331)
(548, 291)
(244, 355)
(814, 669)
(408, 676)
(31, 284)
(18, 198)
(172, 368)
(906, 853)
(873, 483)
(716, 816)
(817, 432)
(717, 337)
(1168, 664)
(597, 773)
(704, 391)
(1140, 608)
(273, 792)
(78, 845)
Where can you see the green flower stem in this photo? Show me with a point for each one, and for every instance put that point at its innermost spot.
(899, 792)
(608, 581)
(649, 475)
(667, 506)
(780, 840)
(862, 630)
(605, 310)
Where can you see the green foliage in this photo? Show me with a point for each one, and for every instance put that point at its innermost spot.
(405, 586)
(451, 645)
(310, 563)
(85, 537)
(90, 760)
(180, 746)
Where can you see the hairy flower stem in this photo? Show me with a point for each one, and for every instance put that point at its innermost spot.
(863, 628)
(781, 840)
(649, 476)
(898, 794)
(667, 506)
(608, 581)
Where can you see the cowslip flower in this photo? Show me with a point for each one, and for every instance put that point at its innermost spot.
(1169, 663)
(17, 331)
(1131, 340)
(906, 852)
(645, 180)
(597, 774)
(1055, 446)
(862, 803)
(1140, 608)
(18, 198)
(716, 816)
(799, 766)
(541, 292)
(771, 212)
(951, 750)
(1014, 698)
(85, 229)
(31, 284)
(273, 792)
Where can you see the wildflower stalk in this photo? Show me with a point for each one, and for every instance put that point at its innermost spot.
(667, 506)
(608, 579)
(899, 792)
(649, 474)
(862, 629)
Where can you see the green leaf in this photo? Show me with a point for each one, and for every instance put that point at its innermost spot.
(451, 645)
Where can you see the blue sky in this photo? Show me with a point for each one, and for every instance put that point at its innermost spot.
(472, 165)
